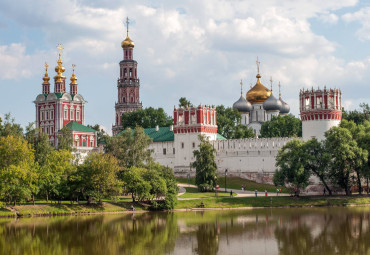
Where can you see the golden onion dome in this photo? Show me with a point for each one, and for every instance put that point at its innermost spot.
(46, 77)
(127, 43)
(73, 77)
(59, 69)
(259, 93)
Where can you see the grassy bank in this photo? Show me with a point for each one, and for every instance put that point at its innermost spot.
(237, 182)
(276, 202)
(209, 202)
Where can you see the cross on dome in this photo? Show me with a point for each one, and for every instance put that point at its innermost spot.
(258, 65)
(271, 82)
(60, 49)
(241, 87)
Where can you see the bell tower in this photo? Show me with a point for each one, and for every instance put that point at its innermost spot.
(128, 83)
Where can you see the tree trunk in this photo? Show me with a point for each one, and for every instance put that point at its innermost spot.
(326, 186)
(33, 199)
(359, 183)
(367, 185)
(78, 201)
(47, 197)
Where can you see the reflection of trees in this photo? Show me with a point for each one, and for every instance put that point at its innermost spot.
(207, 238)
(339, 233)
(111, 234)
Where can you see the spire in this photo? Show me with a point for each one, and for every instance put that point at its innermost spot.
(73, 78)
(241, 87)
(46, 77)
(279, 90)
(73, 84)
(46, 83)
(127, 22)
(59, 68)
(271, 82)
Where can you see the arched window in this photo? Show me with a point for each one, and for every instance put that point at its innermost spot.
(72, 113)
(78, 113)
(65, 112)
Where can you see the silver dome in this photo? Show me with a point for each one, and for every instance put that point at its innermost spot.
(285, 109)
(242, 105)
(272, 104)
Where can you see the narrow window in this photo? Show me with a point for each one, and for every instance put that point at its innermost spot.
(173, 150)
(182, 145)
(193, 145)
(164, 151)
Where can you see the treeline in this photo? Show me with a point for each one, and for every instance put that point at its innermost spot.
(339, 161)
(30, 168)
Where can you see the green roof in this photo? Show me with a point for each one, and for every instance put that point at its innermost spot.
(220, 137)
(75, 126)
(58, 94)
(164, 134)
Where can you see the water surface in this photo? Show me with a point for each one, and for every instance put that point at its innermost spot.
(268, 231)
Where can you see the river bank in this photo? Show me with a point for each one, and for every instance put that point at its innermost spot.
(30, 210)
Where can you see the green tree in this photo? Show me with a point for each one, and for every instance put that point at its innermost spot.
(357, 116)
(228, 123)
(130, 147)
(316, 160)
(282, 126)
(146, 118)
(135, 184)
(100, 133)
(65, 139)
(205, 165)
(291, 169)
(17, 169)
(183, 102)
(54, 173)
(99, 174)
(346, 157)
(9, 127)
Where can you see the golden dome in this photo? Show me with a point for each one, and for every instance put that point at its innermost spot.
(46, 77)
(59, 69)
(73, 77)
(127, 43)
(259, 93)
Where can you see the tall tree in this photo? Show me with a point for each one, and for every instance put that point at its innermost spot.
(357, 116)
(99, 174)
(17, 169)
(100, 132)
(291, 169)
(346, 157)
(205, 165)
(316, 160)
(146, 118)
(228, 122)
(9, 127)
(130, 147)
(65, 139)
(183, 102)
(282, 126)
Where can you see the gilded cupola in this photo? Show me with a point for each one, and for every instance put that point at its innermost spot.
(73, 77)
(259, 93)
(46, 77)
(127, 43)
(59, 69)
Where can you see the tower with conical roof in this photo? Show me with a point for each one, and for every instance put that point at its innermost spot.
(128, 83)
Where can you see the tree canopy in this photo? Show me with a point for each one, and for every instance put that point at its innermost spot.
(205, 165)
(228, 122)
(282, 126)
(146, 118)
(357, 116)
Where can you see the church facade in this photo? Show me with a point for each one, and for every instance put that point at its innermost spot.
(59, 108)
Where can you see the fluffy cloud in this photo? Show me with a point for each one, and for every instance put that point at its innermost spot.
(363, 17)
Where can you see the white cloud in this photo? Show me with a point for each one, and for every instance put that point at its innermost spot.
(363, 17)
(329, 18)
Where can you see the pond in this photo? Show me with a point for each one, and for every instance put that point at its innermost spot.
(263, 231)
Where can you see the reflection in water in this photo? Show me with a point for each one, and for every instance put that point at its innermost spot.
(277, 231)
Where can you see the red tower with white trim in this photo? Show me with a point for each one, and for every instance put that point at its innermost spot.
(128, 84)
(320, 110)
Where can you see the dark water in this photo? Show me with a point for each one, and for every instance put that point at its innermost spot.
(276, 231)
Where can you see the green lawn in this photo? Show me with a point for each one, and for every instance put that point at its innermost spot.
(276, 202)
(194, 193)
(237, 182)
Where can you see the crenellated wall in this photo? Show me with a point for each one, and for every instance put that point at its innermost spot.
(252, 158)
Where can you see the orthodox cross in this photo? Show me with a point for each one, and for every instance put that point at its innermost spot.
(60, 49)
(241, 86)
(279, 89)
(46, 66)
(73, 67)
(271, 82)
(127, 23)
(258, 65)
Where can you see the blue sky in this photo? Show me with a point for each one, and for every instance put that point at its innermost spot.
(197, 49)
